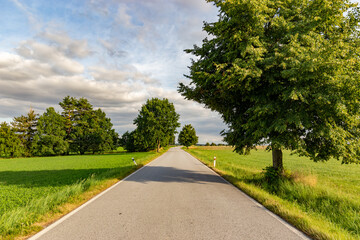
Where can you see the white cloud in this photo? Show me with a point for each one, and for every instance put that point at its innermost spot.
(44, 53)
(72, 48)
(129, 74)
(117, 54)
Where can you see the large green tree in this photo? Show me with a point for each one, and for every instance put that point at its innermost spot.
(156, 124)
(25, 128)
(51, 134)
(285, 73)
(187, 136)
(103, 137)
(87, 130)
(10, 144)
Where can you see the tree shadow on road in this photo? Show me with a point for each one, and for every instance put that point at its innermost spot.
(171, 174)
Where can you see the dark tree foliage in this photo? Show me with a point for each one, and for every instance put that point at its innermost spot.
(103, 137)
(10, 144)
(25, 128)
(283, 73)
(87, 130)
(127, 141)
(51, 133)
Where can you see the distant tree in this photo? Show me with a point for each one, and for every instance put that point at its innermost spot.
(156, 124)
(187, 136)
(103, 138)
(127, 141)
(283, 73)
(25, 128)
(207, 144)
(213, 144)
(172, 140)
(10, 144)
(69, 110)
(51, 134)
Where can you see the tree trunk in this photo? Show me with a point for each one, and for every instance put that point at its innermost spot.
(277, 159)
(158, 146)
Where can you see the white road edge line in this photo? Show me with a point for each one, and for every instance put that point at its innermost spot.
(288, 225)
(62, 219)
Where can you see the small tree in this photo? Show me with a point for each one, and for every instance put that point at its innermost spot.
(187, 136)
(283, 73)
(156, 124)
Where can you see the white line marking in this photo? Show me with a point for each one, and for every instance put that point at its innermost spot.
(288, 225)
(62, 219)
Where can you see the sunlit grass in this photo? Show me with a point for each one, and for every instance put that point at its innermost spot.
(322, 199)
(32, 187)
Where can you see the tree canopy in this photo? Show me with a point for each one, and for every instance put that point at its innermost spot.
(10, 143)
(25, 128)
(283, 73)
(87, 130)
(156, 123)
(51, 133)
(156, 126)
(187, 136)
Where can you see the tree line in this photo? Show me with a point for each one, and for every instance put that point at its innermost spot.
(80, 129)
(77, 129)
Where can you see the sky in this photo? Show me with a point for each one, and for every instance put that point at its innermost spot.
(117, 54)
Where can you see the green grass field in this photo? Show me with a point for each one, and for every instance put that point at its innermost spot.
(33, 187)
(321, 199)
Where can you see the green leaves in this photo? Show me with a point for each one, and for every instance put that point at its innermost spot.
(284, 73)
(10, 144)
(87, 130)
(187, 136)
(51, 134)
(156, 126)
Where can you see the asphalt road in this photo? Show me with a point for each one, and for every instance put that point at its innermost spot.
(174, 197)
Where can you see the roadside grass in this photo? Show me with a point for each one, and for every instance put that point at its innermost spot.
(37, 189)
(321, 199)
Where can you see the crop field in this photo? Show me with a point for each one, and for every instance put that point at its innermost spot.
(33, 187)
(321, 199)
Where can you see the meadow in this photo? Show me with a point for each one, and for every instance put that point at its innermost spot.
(36, 189)
(322, 199)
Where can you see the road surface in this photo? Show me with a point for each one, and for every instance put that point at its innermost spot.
(174, 197)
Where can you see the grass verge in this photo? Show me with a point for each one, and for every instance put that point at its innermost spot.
(37, 191)
(321, 199)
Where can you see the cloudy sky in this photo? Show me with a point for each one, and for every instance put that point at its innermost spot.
(115, 53)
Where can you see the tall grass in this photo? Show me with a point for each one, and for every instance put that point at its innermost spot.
(321, 199)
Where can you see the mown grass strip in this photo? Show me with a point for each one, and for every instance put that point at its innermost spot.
(61, 195)
(321, 199)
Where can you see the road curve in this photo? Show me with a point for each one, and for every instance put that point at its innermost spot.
(174, 197)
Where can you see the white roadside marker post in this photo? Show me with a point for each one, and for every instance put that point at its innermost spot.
(134, 161)
(214, 161)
